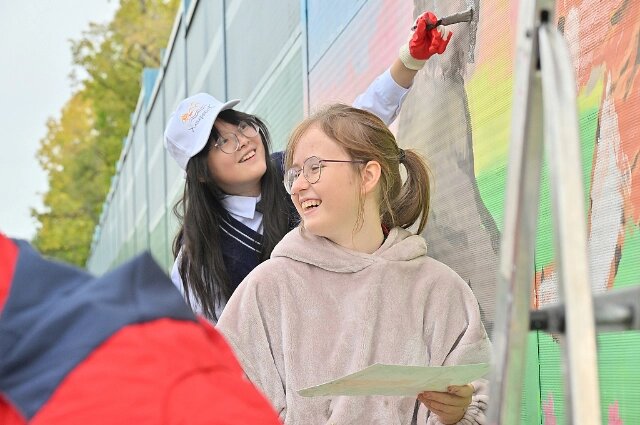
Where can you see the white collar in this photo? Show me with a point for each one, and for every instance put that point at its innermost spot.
(243, 206)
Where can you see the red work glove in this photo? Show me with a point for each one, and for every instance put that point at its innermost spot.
(424, 42)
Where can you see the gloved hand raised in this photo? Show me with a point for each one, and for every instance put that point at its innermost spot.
(426, 41)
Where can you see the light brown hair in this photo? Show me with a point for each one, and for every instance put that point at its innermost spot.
(365, 137)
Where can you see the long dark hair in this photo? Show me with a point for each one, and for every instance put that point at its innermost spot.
(200, 211)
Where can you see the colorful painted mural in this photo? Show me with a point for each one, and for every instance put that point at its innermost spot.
(458, 113)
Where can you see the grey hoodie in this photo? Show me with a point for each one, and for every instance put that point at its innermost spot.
(316, 311)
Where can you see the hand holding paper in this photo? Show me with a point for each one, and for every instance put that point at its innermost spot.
(396, 380)
(450, 406)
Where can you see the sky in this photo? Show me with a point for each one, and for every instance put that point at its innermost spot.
(35, 63)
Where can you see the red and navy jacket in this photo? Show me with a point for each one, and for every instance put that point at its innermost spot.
(118, 349)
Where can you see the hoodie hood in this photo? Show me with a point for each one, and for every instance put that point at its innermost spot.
(56, 315)
(302, 246)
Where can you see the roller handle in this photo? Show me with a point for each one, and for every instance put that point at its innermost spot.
(456, 18)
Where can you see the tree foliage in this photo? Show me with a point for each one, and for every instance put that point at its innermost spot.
(81, 148)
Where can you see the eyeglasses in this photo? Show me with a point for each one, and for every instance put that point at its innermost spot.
(311, 170)
(229, 143)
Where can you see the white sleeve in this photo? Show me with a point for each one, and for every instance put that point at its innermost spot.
(383, 97)
(177, 281)
(175, 274)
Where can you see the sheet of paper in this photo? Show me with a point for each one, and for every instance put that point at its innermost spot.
(396, 380)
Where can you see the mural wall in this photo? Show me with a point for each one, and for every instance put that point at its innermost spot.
(458, 114)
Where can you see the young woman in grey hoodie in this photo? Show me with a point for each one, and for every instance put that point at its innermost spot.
(351, 287)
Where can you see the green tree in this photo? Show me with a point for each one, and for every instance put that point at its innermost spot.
(70, 155)
(80, 149)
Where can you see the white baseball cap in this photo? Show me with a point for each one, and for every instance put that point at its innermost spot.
(190, 125)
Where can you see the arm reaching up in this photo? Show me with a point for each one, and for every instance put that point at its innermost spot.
(385, 95)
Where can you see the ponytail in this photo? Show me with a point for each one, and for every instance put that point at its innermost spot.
(412, 203)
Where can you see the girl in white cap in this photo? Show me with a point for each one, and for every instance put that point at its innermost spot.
(351, 287)
(234, 209)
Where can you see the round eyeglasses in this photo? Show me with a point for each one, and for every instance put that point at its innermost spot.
(311, 170)
(229, 143)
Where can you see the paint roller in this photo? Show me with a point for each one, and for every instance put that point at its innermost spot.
(466, 16)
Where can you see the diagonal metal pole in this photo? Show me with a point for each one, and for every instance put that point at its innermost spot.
(562, 142)
(516, 272)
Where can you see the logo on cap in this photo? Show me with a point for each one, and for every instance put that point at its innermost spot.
(195, 114)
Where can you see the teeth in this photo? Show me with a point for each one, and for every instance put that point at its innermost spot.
(248, 156)
(310, 203)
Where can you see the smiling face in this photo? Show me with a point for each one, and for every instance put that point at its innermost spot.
(329, 207)
(240, 172)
